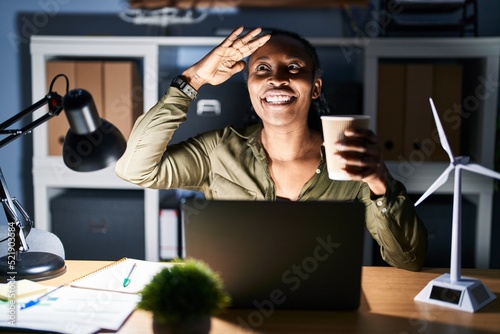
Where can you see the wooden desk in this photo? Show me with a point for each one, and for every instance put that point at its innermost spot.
(387, 306)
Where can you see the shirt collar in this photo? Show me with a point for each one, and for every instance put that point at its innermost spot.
(252, 131)
(252, 135)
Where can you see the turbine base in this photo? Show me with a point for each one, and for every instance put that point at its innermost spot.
(466, 294)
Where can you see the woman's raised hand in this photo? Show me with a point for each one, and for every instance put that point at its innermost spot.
(226, 59)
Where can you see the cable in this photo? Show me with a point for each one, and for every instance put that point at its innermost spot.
(54, 80)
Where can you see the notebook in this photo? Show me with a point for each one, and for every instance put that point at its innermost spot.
(125, 275)
(280, 255)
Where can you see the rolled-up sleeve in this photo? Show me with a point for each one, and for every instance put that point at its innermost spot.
(142, 161)
(392, 221)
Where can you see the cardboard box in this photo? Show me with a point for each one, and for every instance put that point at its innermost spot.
(115, 87)
(89, 76)
(81, 74)
(58, 126)
(123, 101)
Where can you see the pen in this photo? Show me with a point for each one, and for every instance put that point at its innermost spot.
(126, 281)
(39, 299)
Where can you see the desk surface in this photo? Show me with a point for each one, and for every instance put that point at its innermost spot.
(387, 306)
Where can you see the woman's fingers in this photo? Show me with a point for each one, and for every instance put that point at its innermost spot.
(361, 153)
(246, 44)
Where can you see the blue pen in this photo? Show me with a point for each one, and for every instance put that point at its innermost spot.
(39, 299)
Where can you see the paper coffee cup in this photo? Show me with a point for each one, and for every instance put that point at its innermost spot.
(333, 131)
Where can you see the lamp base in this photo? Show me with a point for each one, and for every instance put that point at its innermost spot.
(35, 266)
(466, 294)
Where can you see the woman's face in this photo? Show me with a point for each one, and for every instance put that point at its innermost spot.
(281, 82)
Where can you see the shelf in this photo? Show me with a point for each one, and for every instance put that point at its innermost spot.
(255, 3)
(53, 172)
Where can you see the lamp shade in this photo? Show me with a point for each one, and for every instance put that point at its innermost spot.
(91, 143)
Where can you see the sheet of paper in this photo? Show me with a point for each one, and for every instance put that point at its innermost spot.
(21, 289)
(52, 328)
(72, 310)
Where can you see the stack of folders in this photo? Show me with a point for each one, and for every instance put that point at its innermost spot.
(101, 300)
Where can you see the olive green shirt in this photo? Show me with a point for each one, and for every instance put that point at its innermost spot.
(232, 164)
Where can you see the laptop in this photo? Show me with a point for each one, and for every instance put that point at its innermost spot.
(280, 255)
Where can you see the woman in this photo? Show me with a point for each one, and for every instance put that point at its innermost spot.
(280, 158)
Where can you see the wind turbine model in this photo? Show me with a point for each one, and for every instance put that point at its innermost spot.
(453, 290)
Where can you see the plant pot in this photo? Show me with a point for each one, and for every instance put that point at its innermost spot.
(197, 325)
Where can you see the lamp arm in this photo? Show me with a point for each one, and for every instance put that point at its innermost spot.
(23, 212)
(54, 102)
(10, 204)
(15, 229)
(14, 224)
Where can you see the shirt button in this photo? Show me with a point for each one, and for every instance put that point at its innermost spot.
(384, 210)
(379, 203)
(318, 171)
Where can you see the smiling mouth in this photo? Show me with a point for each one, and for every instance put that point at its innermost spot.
(279, 99)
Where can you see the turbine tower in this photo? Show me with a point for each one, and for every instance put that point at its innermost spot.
(453, 290)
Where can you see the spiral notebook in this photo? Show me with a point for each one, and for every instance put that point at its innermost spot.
(125, 275)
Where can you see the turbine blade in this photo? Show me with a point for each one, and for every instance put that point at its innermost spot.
(442, 135)
(438, 183)
(481, 170)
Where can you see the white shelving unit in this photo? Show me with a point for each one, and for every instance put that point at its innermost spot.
(49, 172)
(51, 176)
(416, 176)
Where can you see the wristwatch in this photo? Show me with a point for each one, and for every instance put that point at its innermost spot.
(178, 82)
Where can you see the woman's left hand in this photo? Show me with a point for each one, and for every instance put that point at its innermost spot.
(362, 154)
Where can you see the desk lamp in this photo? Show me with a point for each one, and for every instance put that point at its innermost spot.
(91, 143)
(454, 290)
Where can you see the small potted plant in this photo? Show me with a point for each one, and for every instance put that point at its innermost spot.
(183, 297)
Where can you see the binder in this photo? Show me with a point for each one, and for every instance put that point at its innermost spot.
(391, 109)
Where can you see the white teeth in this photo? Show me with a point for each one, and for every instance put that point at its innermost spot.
(278, 98)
